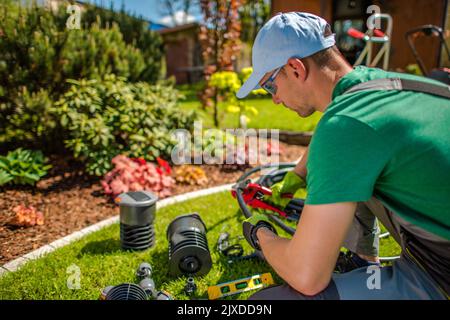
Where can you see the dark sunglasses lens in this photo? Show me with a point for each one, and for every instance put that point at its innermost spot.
(269, 87)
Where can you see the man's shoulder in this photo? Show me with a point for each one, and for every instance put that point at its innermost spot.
(337, 120)
(342, 128)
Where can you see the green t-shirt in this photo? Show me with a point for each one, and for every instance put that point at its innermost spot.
(391, 144)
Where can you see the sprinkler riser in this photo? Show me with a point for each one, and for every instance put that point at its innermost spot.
(137, 214)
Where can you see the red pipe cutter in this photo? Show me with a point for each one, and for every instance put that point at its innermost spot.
(253, 196)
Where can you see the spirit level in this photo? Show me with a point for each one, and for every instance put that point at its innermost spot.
(242, 285)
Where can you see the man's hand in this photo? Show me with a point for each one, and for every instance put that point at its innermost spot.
(290, 184)
(251, 225)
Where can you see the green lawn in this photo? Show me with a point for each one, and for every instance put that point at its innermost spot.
(103, 263)
(270, 116)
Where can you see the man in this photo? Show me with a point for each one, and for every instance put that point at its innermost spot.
(383, 153)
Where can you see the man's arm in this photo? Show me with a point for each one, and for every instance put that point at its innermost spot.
(300, 168)
(307, 261)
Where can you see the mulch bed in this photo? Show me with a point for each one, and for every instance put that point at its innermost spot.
(71, 201)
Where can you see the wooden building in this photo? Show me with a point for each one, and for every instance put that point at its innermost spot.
(406, 14)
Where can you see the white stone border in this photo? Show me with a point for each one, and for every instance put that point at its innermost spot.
(14, 265)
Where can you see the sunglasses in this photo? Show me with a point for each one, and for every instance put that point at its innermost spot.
(269, 84)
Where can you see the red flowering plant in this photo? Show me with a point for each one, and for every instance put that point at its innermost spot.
(26, 216)
(136, 174)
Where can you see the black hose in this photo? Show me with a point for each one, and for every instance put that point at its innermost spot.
(241, 185)
(239, 189)
(281, 224)
(280, 165)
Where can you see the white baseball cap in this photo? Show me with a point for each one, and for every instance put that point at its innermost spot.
(286, 35)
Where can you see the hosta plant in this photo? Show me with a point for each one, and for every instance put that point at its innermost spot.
(22, 167)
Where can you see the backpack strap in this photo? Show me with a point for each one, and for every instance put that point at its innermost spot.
(402, 85)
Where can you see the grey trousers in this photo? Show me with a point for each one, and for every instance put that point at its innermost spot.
(403, 280)
(363, 236)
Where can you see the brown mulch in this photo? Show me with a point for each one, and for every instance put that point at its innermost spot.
(71, 201)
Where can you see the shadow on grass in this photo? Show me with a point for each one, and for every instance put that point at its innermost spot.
(101, 247)
(225, 219)
(159, 260)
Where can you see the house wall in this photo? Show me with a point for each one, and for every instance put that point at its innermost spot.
(322, 8)
(181, 52)
(408, 14)
(445, 59)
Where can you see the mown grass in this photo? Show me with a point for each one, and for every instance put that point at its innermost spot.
(103, 263)
(270, 116)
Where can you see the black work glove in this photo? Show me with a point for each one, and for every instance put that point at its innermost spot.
(252, 224)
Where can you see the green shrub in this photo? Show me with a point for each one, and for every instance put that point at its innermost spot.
(30, 42)
(96, 52)
(135, 32)
(38, 54)
(38, 51)
(104, 118)
(30, 122)
(22, 167)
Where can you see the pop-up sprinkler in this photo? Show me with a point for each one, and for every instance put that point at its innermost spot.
(144, 291)
(137, 213)
(188, 247)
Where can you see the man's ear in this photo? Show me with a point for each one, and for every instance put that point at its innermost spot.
(298, 68)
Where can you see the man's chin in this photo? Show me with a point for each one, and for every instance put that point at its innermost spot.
(302, 113)
(292, 109)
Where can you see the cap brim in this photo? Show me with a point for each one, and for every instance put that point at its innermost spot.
(252, 83)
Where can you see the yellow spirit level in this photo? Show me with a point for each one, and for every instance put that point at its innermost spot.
(242, 285)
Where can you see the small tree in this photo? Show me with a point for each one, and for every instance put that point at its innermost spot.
(226, 84)
(219, 36)
(253, 15)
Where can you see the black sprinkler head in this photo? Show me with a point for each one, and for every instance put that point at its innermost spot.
(137, 213)
(125, 291)
(188, 246)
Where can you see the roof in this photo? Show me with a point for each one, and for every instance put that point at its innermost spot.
(183, 27)
(156, 26)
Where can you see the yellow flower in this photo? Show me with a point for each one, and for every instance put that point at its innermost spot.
(233, 109)
(252, 110)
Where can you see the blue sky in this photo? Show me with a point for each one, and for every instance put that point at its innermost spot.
(149, 9)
